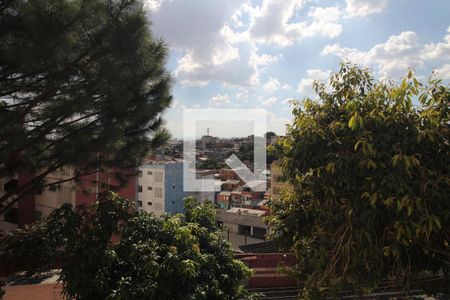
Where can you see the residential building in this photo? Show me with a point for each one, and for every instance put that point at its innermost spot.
(243, 221)
(224, 200)
(230, 184)
(160, 187)
(40, 203)
(47, 199)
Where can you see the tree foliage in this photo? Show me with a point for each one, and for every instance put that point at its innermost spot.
(82, 83)
(173, 257)
(369, 163)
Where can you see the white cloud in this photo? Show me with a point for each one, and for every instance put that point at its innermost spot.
(362, 8)
(443, 72)
(271, 101)
(211, 50)
(305, 87)
(218, 39)
(393, 58)
(325, 14)
(271, 24)
(272, 85)
(278, 124)
(439, 50)
(219, 100)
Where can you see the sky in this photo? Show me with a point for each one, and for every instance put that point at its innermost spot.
(261, 53)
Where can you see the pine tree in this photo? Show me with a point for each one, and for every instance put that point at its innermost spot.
(82, 83)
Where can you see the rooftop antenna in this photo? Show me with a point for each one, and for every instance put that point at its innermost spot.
(207, 131)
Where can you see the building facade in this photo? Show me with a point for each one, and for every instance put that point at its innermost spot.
(160, 187)
(39, 204)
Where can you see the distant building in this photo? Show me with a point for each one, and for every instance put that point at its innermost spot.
(226, 174)
(231, 184)
(224, 200)
(160, 187)
(243, 221)
(210, 196)
(40, 203)
(208, 142)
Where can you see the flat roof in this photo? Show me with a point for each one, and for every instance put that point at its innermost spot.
(247, 211)
(242, 219)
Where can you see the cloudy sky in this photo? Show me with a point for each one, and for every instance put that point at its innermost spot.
(259, 53)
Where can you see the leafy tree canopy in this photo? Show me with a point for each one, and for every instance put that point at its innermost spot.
(369, 163)
(82, 83)
(173, 257)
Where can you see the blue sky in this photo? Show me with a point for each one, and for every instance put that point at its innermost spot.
(257, 54)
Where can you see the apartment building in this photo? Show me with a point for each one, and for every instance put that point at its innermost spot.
(39, 204)
(160, 187)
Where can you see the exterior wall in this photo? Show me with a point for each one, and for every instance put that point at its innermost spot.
(90, 185)
(150, 196)
(174, 189)
(87, 190)
(39, 204)
(223, 200)
(166, 182)
(47, 200)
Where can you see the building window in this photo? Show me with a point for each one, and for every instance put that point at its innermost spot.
(149, 173)
(11, 215)
(149, 188)
(140, 188)
(140, 173)
(149, 203)
(139, 203)
(158, 192)
(158, 177)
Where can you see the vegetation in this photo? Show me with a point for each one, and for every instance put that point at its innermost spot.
(76, 78)
(212, 164)
(111, 251)
(369, 163)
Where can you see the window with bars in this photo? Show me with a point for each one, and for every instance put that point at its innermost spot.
(158, 192)
(158, 177)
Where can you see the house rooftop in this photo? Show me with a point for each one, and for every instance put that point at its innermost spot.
(225, 193)
(232, 181)
(263, 247)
